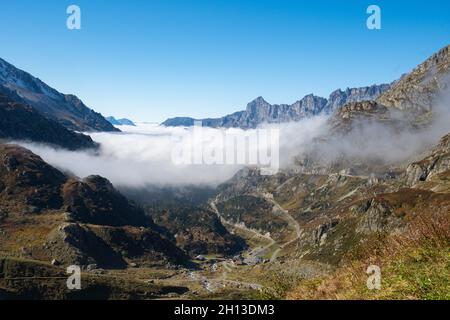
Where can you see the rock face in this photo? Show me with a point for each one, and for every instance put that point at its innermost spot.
(68, 110)
(437, 161)
(376, 217)
(20, 122)
(319, 235)
(418, 90)
(366, 108)
(260, 111)
(340, 98)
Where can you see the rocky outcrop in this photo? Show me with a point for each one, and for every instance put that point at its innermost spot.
(74, 244)
(320, 234)
(259, 111)
(436, 162)
(376, 217)
(23, 123)
(67, 110)
(363, 108)
(340, 98)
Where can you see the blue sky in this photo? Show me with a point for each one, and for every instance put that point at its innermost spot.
(153, 59)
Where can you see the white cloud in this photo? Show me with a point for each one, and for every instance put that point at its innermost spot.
(141, 155)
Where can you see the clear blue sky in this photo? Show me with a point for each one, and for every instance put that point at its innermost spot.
(153, 59)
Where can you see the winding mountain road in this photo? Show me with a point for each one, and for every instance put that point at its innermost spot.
(256, 252)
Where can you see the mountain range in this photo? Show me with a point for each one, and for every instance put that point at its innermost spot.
(260, 111)
(308, 232)
(72, 113)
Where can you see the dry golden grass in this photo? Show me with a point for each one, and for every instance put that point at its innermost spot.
(27, 231)
(414, 265)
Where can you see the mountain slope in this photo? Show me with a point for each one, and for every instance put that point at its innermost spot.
(418, 90)
(407, 235)
(95, 201)
(68, 110)
(180, 211)
(20, 122)
(46, 215)
(362, 208)
(418, 101)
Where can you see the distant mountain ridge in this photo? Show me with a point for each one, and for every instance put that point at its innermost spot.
(66, 109)
(120, 122)
(260, 111)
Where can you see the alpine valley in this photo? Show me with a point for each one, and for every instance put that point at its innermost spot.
(371, 189)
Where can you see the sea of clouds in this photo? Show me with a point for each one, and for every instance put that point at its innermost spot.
(143, 155)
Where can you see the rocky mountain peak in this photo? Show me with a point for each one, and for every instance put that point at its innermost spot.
(310, 105)
(256, 105)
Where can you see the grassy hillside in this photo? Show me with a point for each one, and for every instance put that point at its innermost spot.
(414, 265)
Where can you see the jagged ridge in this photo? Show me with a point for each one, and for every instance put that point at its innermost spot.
(260, 111)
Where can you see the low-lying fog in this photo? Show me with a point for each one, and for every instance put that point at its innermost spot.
(148, 154)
